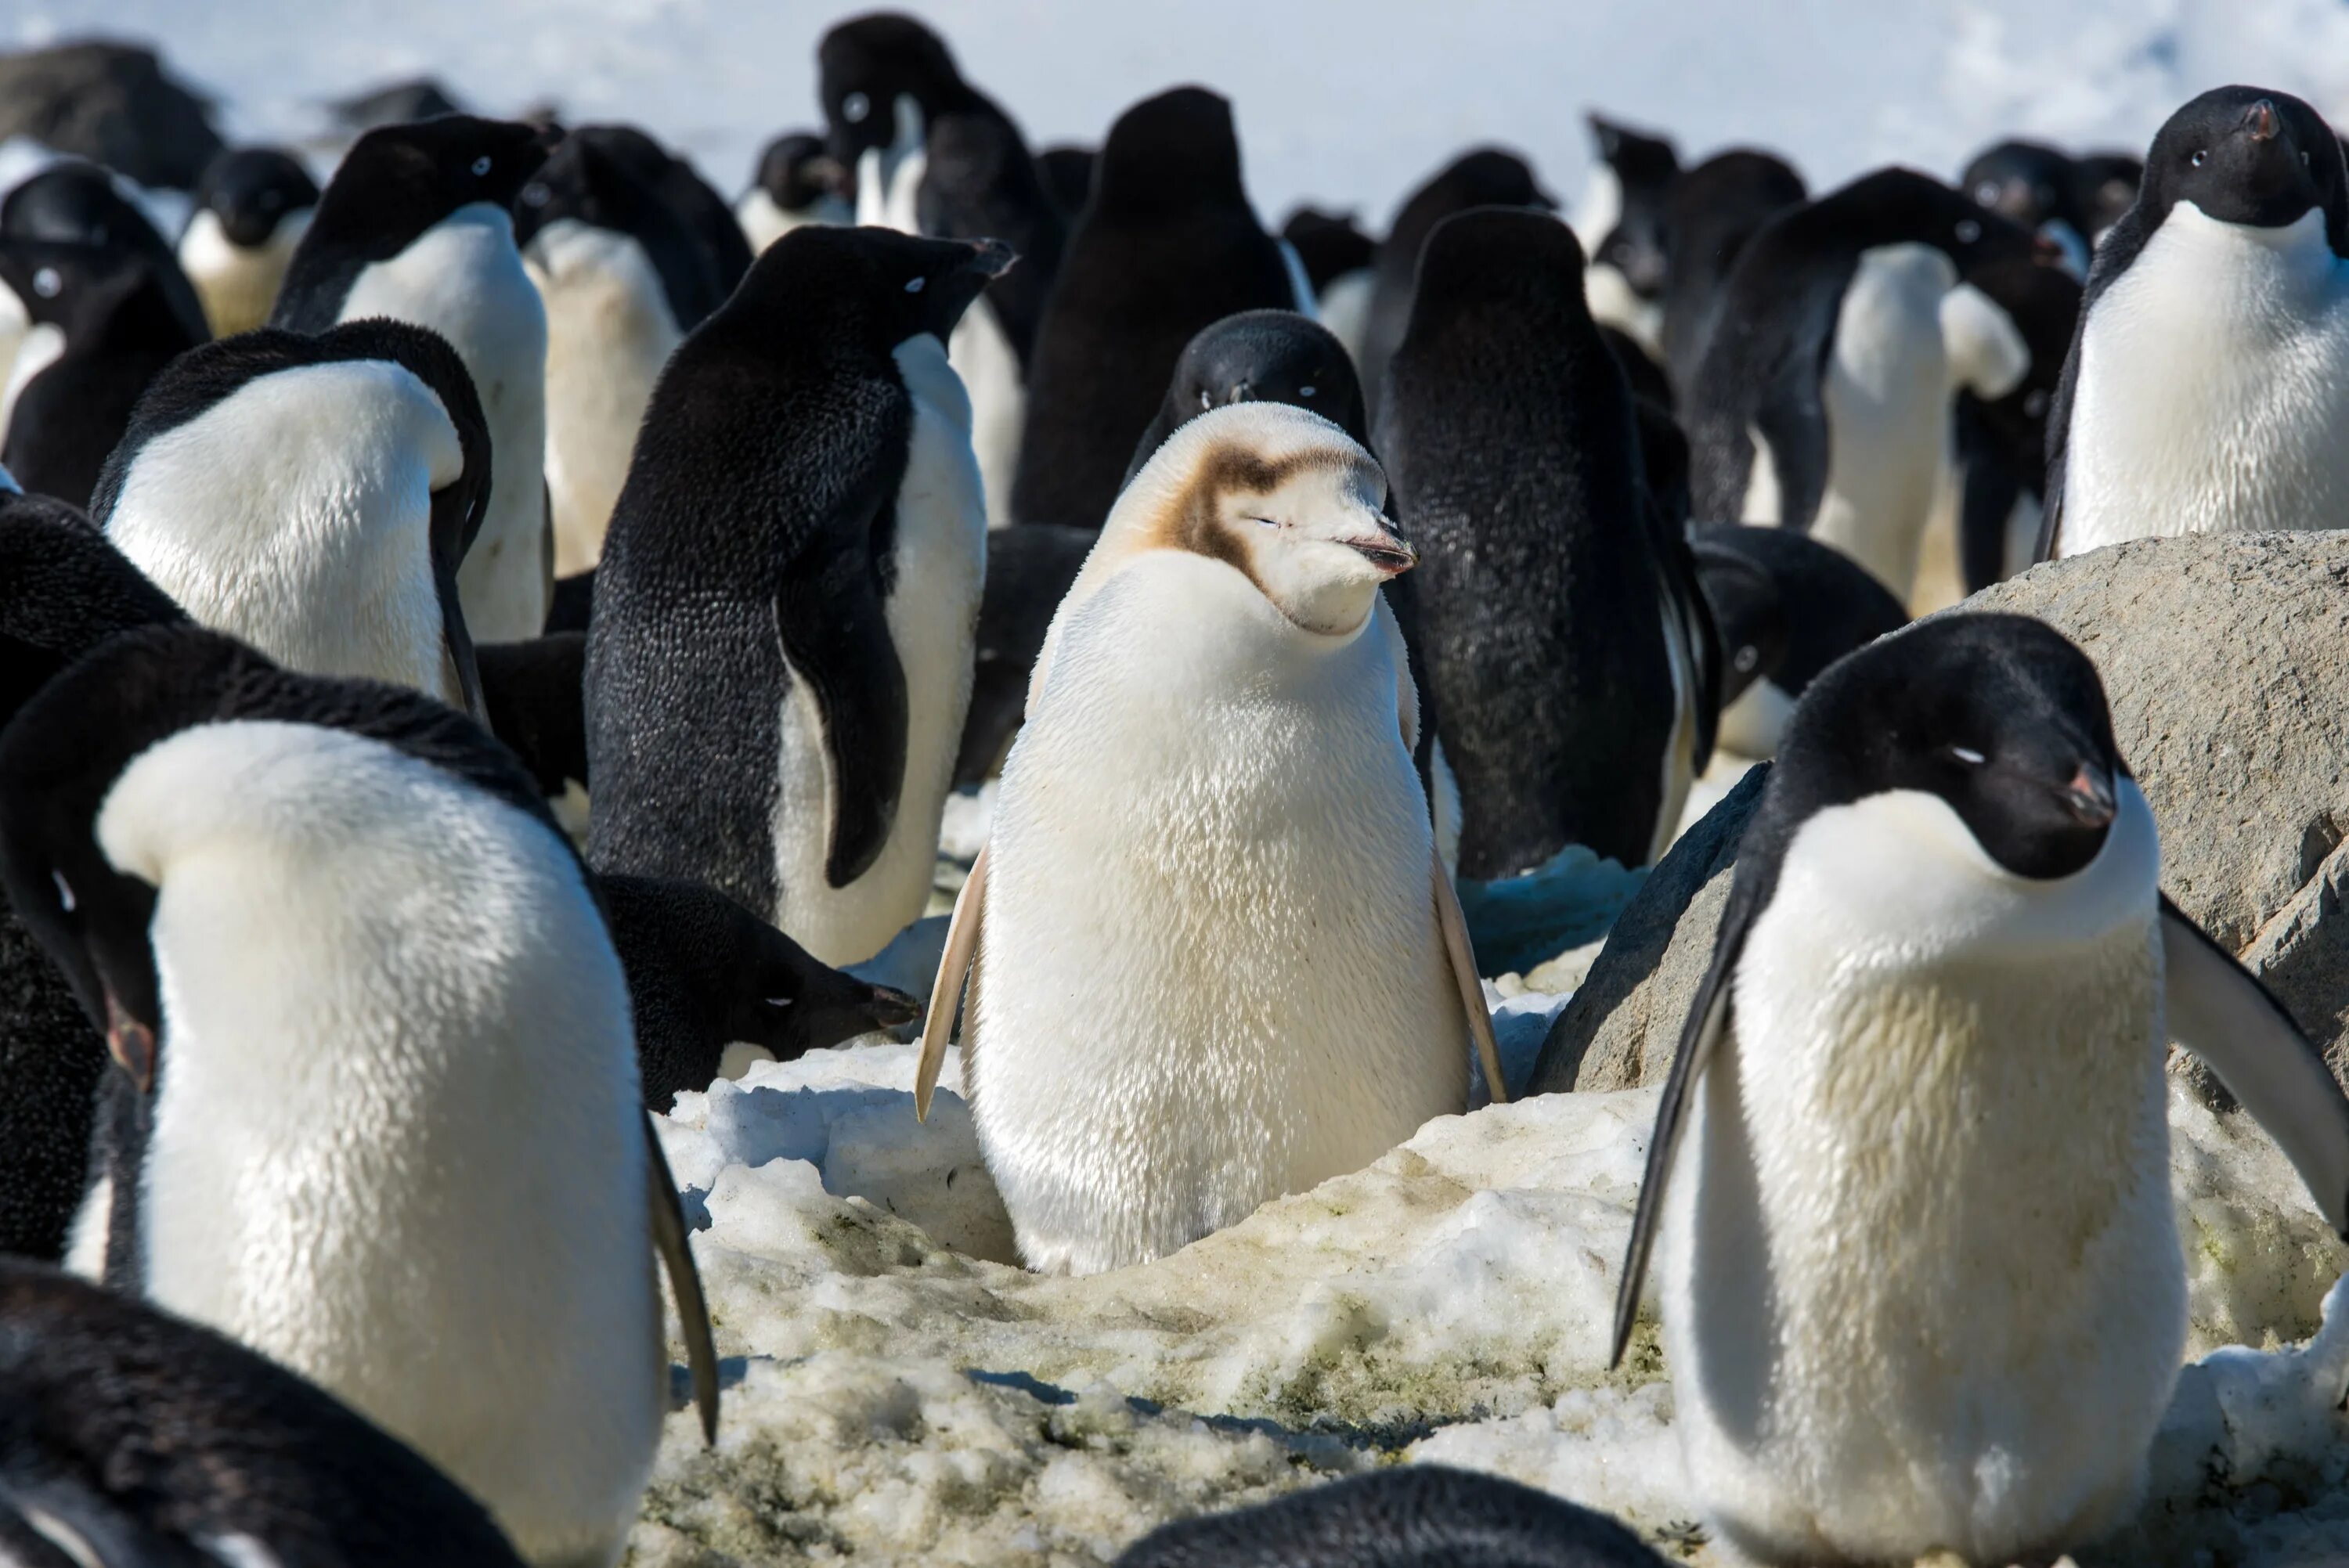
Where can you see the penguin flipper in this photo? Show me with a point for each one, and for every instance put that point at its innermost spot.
(1792, 418)
(684, 1281)
(52, 1517)
(1463, 960)
(2219, 1010)
(954, 969)
(834, 632)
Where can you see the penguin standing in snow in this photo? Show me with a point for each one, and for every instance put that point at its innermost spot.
(1216, 959)
(1168, 245)
(623, 280)
(798, 181)
(780, 657)
(416, 225)
(1919, 1231)
(2207, 387)
(252, 207)
(240, 867)
(132, 1431)
(1566, 644)
(74, 202)
(1621, 224)
(340, 553)
(1823, 399)
(1711, 213)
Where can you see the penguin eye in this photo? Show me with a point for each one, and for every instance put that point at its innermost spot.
(1968, 231)
(1987, 192)
(64, 891)
(1747, 657)
(1307, 391)
(1966, 754)
(2198, 156)
(481, 166)
(854, 107)
(914, 286)
(47, 284)
(779, 1002)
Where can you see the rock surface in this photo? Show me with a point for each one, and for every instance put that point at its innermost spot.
(112, 104)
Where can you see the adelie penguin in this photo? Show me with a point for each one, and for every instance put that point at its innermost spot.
(134, 1437)
(75, 202)
(1946, 945)
(252, 207)
(341, 553)
(234, 862)
(780, 659)
(1999, 445)
(1168, 244)
(417, 224)
(1823, 398)
(1621, 225)
(2033, 184)
(2210, 380)
(623, 280)
(1710, 213)
(798, 180)
(1566, 642)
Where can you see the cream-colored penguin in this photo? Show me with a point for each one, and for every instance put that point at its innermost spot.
(1215, 958)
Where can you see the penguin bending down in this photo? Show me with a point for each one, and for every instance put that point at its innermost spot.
(252, 208)
(416, 225)
(798, 181)
(1621, 225)
(76, 202)
(1567, 644)
(235, 863)
(2209, 379)
(1212, 956)
(623, 280)
(807, 610)
(313, 496)
(136, 1438)
(1921, 1282)
(1823, 399)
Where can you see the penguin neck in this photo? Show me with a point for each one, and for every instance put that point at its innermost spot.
(888, 177)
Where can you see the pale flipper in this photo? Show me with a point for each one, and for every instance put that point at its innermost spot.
(954, 968)
(684, 1281)
(1454, 927)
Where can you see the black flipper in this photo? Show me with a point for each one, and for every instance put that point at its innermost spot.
(1792, 419)
(835, 635)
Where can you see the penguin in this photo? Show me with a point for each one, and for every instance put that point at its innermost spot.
(2037, 186)
(238, 866)
(252, 206)
(102, 328)
(1168, 244)
(1405, 1516)
(1257, 356)
(623, 280)
(63, 590)
(76, 202)
(704, 212)
(2106, 186)
(2210, 372)
(1030, 566)
(134, 1437)
(797, 183)
(1823, 399)
(1568, 648)
(340, 553)
(1483, 177)
(1712, 212)
(1629, 258)
(1212, 957)
(1339, 260)
(713, 988)
(416, 224)
(1999, 444)
(1068, 173)
(779, 662)
(1786, 607)
(882, 79)
(1921, 1279)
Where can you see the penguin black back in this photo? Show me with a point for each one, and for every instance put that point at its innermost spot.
(1068, 173)
(1258, 357)
(680, 187)
(582, 180)
(1167, 244)
(251, 188)
(153, 1440)
(1710, 213)
(77, 203)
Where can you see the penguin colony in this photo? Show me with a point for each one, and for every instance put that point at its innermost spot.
(1275, 582)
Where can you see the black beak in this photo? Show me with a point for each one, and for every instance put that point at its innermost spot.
(132, 1044)
(2261, 121)
(2089, 796)
(890, 1007)
(991, 258)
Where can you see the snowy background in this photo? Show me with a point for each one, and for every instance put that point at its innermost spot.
(1346, 101)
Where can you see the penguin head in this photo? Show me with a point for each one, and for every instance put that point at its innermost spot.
(1999, 716)
(879, 285)
(1746, 609)
(2105, 186)
(76, 202)
(2251, 157)
(1170, 154)
(398, 180)
(1280, 494)
(865, 65)
(1645, 168)
(84, 290)
(796, 173)
(1642, 163)
(1268, 357)
(2026, 182)
(250, 190)
(1511, 259)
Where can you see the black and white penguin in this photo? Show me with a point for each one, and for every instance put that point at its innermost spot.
(780, 657)
(1786, 607)
(2106, 185)
(1408, 1516)
(1168, 245)
(340, 553)
(416, 225)
(252, 207)
(1621, 224)
(1258, 357)
(1823, 398)
(713, 988)
(624, 279)
(2037, 186)
(1568, 647)
(1339, 263)
(341, 864)
(694, 200)
(1999, 444)
(77, 203)
(63, 590)
(1483, 177)
(103, 328)
(2209, 382)
(1068, 173)
(884, 79)
(1945, 946)
(798, 181)
(134, 1437)
(1710, 214)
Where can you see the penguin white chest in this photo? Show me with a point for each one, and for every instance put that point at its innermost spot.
(1209, 971)
(1887, 396)
(2212, 386)
(238, 284)
(1922, 1281)
(939, 564)
(42, 345)
(464, 279)
(989, 367)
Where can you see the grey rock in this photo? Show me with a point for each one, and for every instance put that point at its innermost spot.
(109, 103)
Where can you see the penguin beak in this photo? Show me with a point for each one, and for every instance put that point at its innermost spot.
(130, 1043)
(2089, 796)
(2261, 121)
(1382, 549)
(991, 258)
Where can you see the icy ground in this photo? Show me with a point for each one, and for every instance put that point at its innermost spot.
(898, 1390)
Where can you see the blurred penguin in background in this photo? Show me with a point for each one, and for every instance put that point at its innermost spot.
(798, 181)
(252, 207)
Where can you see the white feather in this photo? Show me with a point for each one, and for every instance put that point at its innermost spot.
(238, 284)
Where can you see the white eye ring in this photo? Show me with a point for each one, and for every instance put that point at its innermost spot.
(854, 107)
(482, 165)
(779, 1001)
(64, 891)
(1966, 754)
(47, 284)
(1307, 391)
(914, 285)
(1968, 231)
(1206, 398)
(1746, 659)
